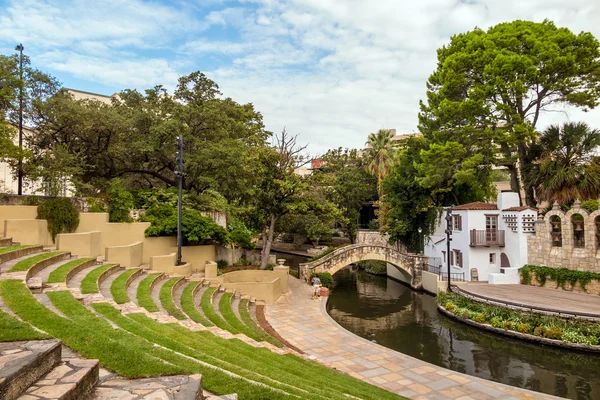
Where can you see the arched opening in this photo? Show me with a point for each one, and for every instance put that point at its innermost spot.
(556, 231)
(504, 261)
(578, 231)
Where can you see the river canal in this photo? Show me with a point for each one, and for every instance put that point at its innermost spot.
(391, 314)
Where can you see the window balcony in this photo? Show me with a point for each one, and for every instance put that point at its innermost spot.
(487, 238)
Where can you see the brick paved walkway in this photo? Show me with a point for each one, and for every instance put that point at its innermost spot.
(306, 325)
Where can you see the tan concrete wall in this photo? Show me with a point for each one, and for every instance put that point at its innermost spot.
(16, 212)
(85, 244)
(432, 283)
(210, 270)
(264, 285)
(268, 292)
(113, 233)
(166, 264)
(127, 256)
(27, 231)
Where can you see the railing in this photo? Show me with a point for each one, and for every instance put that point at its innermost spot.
(454, 276)
(487, 238)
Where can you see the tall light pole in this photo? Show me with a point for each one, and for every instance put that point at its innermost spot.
(20, 48)
(448, 239)
(179, 174)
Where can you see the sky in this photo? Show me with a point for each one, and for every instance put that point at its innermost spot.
(330, 71)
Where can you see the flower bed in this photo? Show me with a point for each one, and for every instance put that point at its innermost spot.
(550, 330)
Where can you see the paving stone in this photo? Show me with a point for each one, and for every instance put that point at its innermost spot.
(54, 391)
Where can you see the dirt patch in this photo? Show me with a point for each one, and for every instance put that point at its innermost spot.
(264, 324)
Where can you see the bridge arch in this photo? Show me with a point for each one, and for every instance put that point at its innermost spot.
(412, 264)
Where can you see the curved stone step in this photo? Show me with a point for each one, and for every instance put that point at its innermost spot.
(73, 378)
(133, 287)
(107, 282)
(75, 280)
(235, 305)
(216, 299)
(8, 264)
(178, 387)
(45, 273)
(23, 363)
(177, 292)
(198, 299)
(155, 291)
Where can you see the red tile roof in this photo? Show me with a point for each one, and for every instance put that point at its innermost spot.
(478, 205)
(523, 208)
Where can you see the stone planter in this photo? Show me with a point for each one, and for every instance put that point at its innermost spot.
(324, 291)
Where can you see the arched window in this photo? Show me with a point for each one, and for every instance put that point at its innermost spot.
(597, 221)
(578, 230)
(556, 231)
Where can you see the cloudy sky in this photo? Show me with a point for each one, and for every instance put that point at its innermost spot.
(330, 70)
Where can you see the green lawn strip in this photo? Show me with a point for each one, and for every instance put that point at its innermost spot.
(249, 322)
(118, 290)
(187, 304)
(89, 284)
(211, 314)
(148, 330)
(143, 294)
(232, 319)
(12, 329)
(60, 274)
(27, 263)
(166, 299)
(289, 369)
(13, 248)
(124, 355)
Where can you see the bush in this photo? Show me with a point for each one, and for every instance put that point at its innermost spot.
(195, 227)
(243, 261)
(120, 201)
(61, 214)
(524, 328)
(590, 205)
(497, 322)
(325, 277)
(560, 275)
(96, 205)
(540, 331)
(576, 337)
(294, 273)
(222, 264)
(480, 318)
(270, 267)
(554, 333)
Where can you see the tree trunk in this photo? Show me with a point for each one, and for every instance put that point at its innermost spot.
(267, 241)
(515, 186)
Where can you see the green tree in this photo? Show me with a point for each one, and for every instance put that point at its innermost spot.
(569, 166)
(380, 152)
(497, 83)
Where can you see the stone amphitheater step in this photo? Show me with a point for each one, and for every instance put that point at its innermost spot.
(5, 241)
(155, 293)
(225, 397)
(133, 287)
(105, 285)
(216, 298)
(252, 310)
(235, 305)
(177, 294)
(6, 265)
(177, 387)
(23, 363)
(75, 281)
(45, 273)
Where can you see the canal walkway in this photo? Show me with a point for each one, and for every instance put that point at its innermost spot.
(537, 298)
(305, 324)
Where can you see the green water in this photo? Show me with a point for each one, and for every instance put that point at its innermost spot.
(391, 314)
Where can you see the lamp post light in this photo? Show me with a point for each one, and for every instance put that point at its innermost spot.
(421, 249)
(20, 48)
(448, 239)
(179, 174)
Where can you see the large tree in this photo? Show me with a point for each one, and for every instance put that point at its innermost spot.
(569, 164)
(497, 83)
(380, 153)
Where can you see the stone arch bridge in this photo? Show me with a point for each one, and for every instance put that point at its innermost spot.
(411, 264)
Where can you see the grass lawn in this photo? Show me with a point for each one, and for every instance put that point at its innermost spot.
(12, 248)
(118, 289)
(251, 325)
(187, 304)
(12, 329)
(89, 284)
(27, 263)
(143, 295)
(166, 299)
(232, 319)
(211, 314)
(60, 274)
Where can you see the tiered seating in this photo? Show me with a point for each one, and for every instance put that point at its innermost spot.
(134, 343)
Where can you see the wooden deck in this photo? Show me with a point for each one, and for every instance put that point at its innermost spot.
(540, 298)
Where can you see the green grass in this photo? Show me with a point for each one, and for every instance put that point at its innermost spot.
(251, 325)
(187, 304)
(89, 284)
(27, 263)
(166, 299)
(60, 274)
(12, 329)
(13, 248)
(143, 295)
(211, 314)
(118, 290)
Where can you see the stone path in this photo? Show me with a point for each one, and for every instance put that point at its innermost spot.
(543, 298)
(305, 324)
(112, 387)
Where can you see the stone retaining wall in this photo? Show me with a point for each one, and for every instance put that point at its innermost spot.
(592, 287)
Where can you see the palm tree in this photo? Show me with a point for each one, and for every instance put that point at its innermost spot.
(381, 150)
(569, 164)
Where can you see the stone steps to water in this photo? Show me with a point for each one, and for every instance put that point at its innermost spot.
(39, 370)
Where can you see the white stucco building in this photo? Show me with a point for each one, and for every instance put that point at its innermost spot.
(489, 241)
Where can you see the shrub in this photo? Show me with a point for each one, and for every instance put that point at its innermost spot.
(222, 264)
(464, 313)
(590, 205)
(560, 275)
(61, 214)
(325, 277)
(195, 227)
(270, 267)
(524, 328)
(554, 333)
(509, 326)
(449, 306)
(576, 337)
(497, 322)
(119, 202)
(480, 318)
(96, 205)
(243, 261)
(540, 330)
(294, 273)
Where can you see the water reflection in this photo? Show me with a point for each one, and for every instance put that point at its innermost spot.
(394, 316)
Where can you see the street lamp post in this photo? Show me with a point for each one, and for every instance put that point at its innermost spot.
(421, 249)
(20, 48)
(179, 173)
(448, 239)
